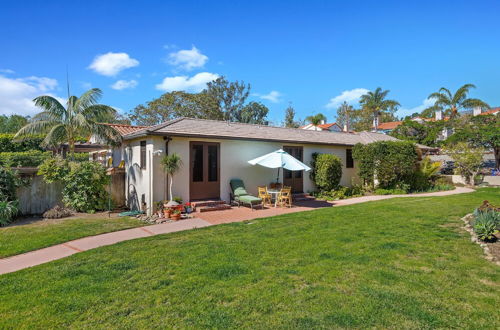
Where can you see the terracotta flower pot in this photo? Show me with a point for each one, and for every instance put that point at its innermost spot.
(166, 213)
(175, 217)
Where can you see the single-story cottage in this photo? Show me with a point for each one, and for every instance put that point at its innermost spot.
(214, 152)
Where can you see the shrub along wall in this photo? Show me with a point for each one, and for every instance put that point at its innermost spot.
(31, 158)
(27, 144)
(327, 171)
(393, 163)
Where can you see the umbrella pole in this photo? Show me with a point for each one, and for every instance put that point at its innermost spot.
(278, 176)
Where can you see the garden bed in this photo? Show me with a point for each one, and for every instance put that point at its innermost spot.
(491, 249)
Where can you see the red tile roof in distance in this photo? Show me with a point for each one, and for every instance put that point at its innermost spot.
(491, 111)
(389, 125)
(124, 129)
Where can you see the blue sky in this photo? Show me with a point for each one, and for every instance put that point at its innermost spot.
(311, 53)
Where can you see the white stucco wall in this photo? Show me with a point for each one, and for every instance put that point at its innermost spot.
(234, 157)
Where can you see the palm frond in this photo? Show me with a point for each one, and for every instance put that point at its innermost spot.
(446, 91)
(51, 105)
(98, 112)
(36, 127)
(461, 93)
(474, 103)
(55, 136)
(87, 99)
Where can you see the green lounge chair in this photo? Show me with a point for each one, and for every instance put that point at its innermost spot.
(240, 196)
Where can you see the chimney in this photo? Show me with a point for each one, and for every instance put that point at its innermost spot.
(321, 122)
(439, 115)
(375, 123)
(476, 111)
(345, 128)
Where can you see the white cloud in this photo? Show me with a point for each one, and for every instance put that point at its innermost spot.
(273, 96)
(7, 71)
(419, 108)
(111, 64)
(188, 59)
(349, 96)
(195, 83)
(124, 84)
(16, 95)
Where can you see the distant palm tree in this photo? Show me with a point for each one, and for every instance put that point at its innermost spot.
(376, 104)
(81, 117)
(316, 119)
(453, 103)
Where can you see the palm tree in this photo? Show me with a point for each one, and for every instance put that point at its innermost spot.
(171, 164)
(81, 117)
(453, 103)
(316, 119)
(376, 104)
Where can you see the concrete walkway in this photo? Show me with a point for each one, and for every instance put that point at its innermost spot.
(37, 257)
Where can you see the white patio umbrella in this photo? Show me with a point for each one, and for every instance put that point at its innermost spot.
(280, 159)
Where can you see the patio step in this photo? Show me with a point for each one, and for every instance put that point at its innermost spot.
(300, 197)
(216, 207)
(197, 204)
(210, 205)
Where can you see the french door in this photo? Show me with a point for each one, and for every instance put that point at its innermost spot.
(204, 170)
(294, 179)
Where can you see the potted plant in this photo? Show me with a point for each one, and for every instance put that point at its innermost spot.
(188, 208)
(159, 208)
(176, 215)
(171, 164)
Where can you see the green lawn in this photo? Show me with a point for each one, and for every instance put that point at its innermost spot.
(18, 239)
(399, 263)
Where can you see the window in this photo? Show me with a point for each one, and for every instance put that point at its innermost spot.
(197, 162)
(349, 162)
(212, 163)
(143, 155)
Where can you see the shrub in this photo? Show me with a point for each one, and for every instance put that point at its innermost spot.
(31, 158)
(84, 187)
(8, 184)
(486, 226)
(26, 144)
(381, 191)
(84, 183)
(57, 212)
(328, 171)
(391, 162)
(8, 210)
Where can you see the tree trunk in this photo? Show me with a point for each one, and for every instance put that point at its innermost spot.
(170, 188)
(496, 152)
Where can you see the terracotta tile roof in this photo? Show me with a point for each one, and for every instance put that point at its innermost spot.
(389, 125)
(190, 127)
(126, 129)
(327, 126)
(491, 111)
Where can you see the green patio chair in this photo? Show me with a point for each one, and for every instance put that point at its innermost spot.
(240, 195)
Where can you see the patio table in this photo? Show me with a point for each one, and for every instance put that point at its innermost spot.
(274, 194)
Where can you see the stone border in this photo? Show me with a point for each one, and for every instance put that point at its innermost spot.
(474, 239)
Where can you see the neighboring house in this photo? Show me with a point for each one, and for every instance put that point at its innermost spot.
(331, 127)
(214, 152)
(387, 127)
(115, 153)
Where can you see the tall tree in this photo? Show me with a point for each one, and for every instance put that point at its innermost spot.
(316, 119)
(344, 114)
(376, 104)
(61, 124)
(253, 113)
(229, 96)
(177, 104)
(479, 131)
(453, 103)
(290, 121)
(12, 123)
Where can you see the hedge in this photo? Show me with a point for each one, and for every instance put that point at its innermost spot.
(27, 144)
(392, 162)
(327, 171)
(24, 159)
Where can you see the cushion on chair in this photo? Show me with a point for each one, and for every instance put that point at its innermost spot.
(250, 199)
(240, 191)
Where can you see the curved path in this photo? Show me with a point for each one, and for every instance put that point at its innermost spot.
(37, 257)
